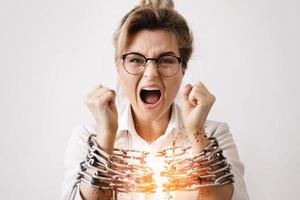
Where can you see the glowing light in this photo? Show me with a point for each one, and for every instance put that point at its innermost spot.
(157, 164)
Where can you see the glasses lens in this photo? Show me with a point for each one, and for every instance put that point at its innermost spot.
(133, 63)
(168, 65)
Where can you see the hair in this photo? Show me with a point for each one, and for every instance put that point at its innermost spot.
(155, 15)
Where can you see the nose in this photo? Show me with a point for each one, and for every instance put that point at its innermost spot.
(151, 70)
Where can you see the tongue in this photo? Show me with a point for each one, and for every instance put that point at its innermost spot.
(151, 97)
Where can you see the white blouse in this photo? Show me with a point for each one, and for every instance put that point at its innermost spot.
(128, 138)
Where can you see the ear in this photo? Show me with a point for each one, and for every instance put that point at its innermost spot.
(183, 71)
(118, 64)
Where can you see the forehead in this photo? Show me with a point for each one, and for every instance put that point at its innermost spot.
(151, 43)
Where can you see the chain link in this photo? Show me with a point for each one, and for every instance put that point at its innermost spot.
(172, 169)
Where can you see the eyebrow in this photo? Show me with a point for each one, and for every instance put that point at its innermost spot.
(167, 53)
(161, 54)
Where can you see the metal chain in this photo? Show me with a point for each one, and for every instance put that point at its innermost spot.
(172, 169)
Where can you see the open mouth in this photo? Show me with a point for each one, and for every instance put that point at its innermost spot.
(150, 95)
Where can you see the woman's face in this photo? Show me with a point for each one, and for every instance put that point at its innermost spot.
(149, 93)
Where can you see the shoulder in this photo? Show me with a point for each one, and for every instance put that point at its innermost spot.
(84, 129)
(216, 128)
(81, 132)
(221, 131)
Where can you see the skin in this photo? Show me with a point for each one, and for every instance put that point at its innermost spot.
(152, 123)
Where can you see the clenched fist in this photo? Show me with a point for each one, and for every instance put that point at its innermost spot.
(101, 103)
(197, 102)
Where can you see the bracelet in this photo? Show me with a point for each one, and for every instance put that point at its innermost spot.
(172, 169)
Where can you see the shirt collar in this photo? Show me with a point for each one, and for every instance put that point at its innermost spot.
(126, 120)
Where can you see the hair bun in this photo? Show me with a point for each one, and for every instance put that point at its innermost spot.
(169, 4)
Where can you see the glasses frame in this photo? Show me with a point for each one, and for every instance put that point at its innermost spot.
(154, 59)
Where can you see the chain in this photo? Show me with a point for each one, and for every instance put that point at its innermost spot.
(172, 169)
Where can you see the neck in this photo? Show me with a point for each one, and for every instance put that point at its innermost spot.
(151, 130)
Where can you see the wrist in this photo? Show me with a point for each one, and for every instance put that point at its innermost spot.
(106, 140)
(198, 138)
(195, 128)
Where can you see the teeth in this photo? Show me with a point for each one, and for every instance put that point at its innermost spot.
(150, 88)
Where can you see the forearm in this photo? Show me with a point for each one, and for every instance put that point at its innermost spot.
(89, 193)
(199, 141)
(105, 140)
(216, 192)
(197, 138)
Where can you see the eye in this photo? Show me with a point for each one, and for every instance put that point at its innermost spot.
(167, 60)
(135, 59)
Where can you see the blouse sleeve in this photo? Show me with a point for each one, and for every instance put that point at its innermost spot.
(226, 142)
(75, 153)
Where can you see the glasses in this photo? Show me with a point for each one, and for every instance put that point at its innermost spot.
(135, 63)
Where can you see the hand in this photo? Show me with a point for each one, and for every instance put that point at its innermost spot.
(101, 103)
(197, 102)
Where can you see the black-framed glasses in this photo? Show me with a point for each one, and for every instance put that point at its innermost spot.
(135, 63)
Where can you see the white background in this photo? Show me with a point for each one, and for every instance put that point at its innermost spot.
(53, 52)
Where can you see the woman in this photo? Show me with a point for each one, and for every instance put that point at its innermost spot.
(152, 48)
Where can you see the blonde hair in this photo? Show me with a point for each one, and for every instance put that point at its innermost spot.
(152, 15)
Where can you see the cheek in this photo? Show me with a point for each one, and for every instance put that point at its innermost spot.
(127, 82)
(128, 85)
(172, 88)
